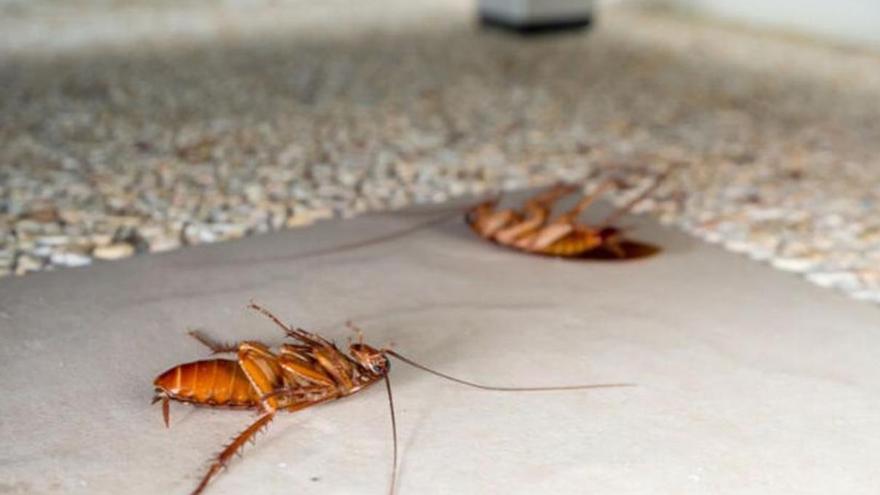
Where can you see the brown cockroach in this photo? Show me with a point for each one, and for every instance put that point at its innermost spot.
(307, 372)
(531, 230)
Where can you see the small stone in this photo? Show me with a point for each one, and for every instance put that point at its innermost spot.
(46, 214)
(70, 216)
(322, 213)
(53, 240)
(113, 251)
(797, 265)
(101, 239)
(70, 259)
(712, 237)
(254, 193)
(28, 226)
(759, 253)
(198, 152)
(164, 243)
(26, 263)
(739, 246)
(226, 231)
(42, 251)
(347, 178)
(457, 188)
(199, 234)
(840, 280)
(303, 218)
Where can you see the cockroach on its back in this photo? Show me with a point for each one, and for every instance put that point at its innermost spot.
(531, 229)
(299, 375)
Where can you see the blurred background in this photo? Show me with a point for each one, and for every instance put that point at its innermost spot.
(141, 126)
(848, 20)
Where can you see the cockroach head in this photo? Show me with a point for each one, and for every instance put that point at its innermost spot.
(370, 358)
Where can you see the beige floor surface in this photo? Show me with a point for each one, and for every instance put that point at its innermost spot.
(751, 381)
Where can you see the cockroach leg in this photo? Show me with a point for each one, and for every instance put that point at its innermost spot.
(496, 221)
(233, 448)
(261, 368)
(270, 315)
(298, 394)
(295, 333)
(549, 234)
(538, 237)
(535, 217)
(521, 225)
(357, 331)
(304, 371)
(616, 214)
(166, 412)
(586, 201)
(614, 245)
(565, 223)
(265, 375)
(215, 346)
(166, 408)
(554, 194)
(536, 211)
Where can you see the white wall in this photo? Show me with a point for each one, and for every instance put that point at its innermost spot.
(847, 20)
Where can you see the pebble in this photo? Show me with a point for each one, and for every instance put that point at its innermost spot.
(101, 239)
(7, 260)
(199, 234)
(797, 265)
(28, 226)
(161, 244)
(54, 240)
(113, 251)
(26, 263)
(841, 280)
(70, 259)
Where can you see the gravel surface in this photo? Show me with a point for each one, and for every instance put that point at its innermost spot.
(128, 128)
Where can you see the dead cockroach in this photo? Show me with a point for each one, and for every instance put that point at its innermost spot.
(302, 374)
(532, 231)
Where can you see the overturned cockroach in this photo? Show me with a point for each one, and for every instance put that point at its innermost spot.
(305, 373)
(531, 230)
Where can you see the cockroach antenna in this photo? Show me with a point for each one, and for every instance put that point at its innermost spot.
(502, 389)
(393, 436)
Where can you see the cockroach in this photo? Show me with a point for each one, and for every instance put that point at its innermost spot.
(306, 372)
(531, 230)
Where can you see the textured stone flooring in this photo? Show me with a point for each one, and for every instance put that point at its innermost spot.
(130, 128)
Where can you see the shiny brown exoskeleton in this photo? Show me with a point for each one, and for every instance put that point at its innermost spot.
(299, 375)
(531, 229)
